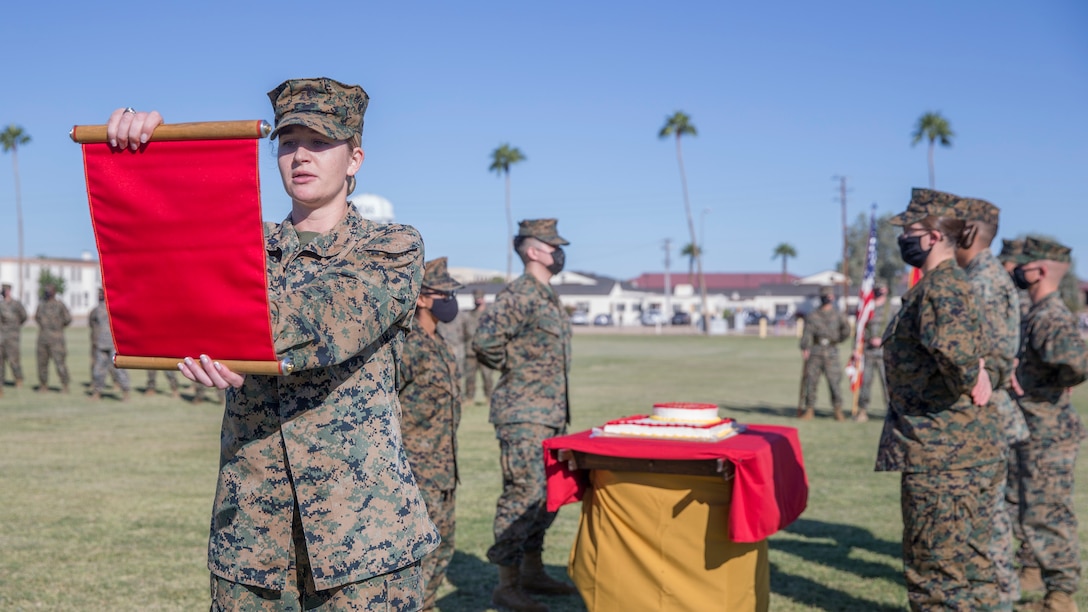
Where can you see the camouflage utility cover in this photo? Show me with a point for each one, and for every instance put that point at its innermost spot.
(931, 354)
(1036, 249)
(1010, 250)
(322, 104)
(436, 276)
(429, 382)
(326, 437)
(926, 203)
(544, 230)
(526, 335)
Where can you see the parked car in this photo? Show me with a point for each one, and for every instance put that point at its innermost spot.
(579, 318)
(681, 318)
(653, 317)
(752, 317)
(602, 319)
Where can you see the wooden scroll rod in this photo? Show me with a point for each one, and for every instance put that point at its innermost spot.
(267, 368)
(206, 130)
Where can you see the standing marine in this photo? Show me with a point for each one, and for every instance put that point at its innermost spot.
(12, 318)
(874, 352)
(473, 367)
(102, 351)
(52, 317)
(1053, 358)
(525, 335)
(825, 329)
(940, 431)
(999, 307)
(429, 385)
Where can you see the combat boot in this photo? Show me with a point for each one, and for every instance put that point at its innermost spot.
(95, 396)
(150, 391)
(42, 388)
(1059, 601)
(808, 414)
(862, 416)
(124, 395)
(18, 383)
(838, 413)
(64, 389)
(535, 580)
(1031, 580)
(509, 596)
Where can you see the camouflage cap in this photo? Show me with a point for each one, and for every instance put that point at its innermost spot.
(322, 104)
(478, 294)
(1036, 249)
(827, 291)
(926, 203)
(974, 210)
(5, 286)
(437, 278)
(1011, 250)
(543, 230)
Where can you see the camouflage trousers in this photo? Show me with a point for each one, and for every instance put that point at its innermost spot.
(947, 534)
(1047, 517)
(171, 379)
(472, 366)
(521, 514)
(1001, 548)
(823, 362)
(441, 506)
(57, 351)
(874, 369)
(9, 355)
(397, 591)
(103, 366)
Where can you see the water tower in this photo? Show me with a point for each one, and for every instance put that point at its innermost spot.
(373, 207)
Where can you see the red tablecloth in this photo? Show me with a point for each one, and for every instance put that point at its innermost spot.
(770, 488)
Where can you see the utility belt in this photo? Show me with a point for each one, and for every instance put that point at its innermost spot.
(823, 342)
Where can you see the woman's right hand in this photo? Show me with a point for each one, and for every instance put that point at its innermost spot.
(130, 129)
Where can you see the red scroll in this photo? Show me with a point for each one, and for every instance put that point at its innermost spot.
(181, 244)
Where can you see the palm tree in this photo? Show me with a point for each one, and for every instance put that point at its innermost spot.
(785, 251)
(680, 125)
(11, 138)
(501, 160)
(934, 128)
(691, 252)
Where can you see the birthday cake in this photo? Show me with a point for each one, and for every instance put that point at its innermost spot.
(675, 421)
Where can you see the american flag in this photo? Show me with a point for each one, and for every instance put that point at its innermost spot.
(856, 368)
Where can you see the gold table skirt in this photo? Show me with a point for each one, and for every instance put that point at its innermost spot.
(660, 542)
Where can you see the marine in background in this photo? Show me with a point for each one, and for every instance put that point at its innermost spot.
(825, 329)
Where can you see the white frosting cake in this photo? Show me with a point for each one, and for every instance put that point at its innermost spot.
(677, 421)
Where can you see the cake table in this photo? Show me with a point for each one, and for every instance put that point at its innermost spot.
(676, 525)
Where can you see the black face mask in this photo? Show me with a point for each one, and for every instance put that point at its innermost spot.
(558, 259)
(910, 249)
(444, 308)
(1020, 278)
(825, 300)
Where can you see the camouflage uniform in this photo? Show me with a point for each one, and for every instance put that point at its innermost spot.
(429, 385)
(874, 359)
(102, 349)
(947, 449)
(1000, 309)
(473, 366)
(12, 318)
(315, 493)
(824, 328)
(1053, 358)
(52, 317)
(525, 335)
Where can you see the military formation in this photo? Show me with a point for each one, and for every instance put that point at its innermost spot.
(979, 420)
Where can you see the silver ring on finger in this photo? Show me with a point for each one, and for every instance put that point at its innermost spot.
(129, 109)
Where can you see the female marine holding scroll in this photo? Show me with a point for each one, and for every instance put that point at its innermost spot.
(316, 505)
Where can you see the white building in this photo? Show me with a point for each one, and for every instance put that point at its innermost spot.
(373, 207)
(81, 282)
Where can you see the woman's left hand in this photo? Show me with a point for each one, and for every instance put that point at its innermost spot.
(982, 391)
(210, 373)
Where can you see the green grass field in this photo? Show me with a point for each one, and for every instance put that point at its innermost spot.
(106, 505)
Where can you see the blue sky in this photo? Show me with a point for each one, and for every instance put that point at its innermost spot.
(785, 96)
